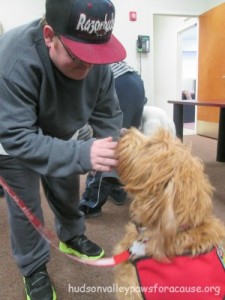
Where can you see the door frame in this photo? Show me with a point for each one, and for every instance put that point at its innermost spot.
(192, 22)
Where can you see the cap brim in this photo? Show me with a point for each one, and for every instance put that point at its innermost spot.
(107, 53)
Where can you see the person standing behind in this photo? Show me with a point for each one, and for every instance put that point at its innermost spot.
(131, 93)
(99, 186)
(1, 191)
(2, 152)
(55, 78)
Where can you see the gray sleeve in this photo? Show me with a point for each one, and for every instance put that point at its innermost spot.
(23, 139)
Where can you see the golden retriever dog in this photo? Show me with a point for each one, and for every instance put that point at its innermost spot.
(176, 243)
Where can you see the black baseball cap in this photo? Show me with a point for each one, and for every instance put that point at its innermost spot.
(85, 27)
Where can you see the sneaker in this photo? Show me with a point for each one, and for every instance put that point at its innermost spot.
(118, 196)
(90, 212)
(38, 286)
(82, 247)
(93, 198)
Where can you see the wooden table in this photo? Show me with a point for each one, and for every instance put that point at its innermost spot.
(178, 120)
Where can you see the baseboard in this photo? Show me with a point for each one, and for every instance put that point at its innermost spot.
(208, 129)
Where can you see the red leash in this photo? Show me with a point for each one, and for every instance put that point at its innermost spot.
(51, 237)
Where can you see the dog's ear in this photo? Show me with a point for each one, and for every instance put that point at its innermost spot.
(167, 225)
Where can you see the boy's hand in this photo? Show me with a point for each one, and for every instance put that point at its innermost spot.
(103, 155)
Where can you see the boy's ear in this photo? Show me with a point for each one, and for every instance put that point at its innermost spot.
(48, 34)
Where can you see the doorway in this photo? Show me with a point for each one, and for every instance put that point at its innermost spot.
(167, 58)
(188, 64)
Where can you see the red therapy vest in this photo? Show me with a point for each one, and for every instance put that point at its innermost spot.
(185, 278)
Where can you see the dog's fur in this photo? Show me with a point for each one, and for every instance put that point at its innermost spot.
(153, 118)
(171, 200)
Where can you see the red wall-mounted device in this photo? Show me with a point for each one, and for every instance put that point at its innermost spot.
(132, 15)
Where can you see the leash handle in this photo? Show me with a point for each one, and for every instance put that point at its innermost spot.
(51, 237)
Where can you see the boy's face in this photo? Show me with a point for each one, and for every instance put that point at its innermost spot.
(63, 59)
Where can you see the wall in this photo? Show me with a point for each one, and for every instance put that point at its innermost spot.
(168, 58)
(15, 12)
(159, 67)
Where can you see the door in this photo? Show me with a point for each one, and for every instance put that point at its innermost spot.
(211, 82)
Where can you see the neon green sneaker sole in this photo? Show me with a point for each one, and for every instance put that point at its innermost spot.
(66, 249)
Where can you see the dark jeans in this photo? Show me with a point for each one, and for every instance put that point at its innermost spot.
(97, 189)
(1, 191)
(131, 95)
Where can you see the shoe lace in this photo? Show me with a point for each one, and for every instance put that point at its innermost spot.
(82, 239)
(39, 278)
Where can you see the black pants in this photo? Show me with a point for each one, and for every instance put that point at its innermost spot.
(131, 94)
